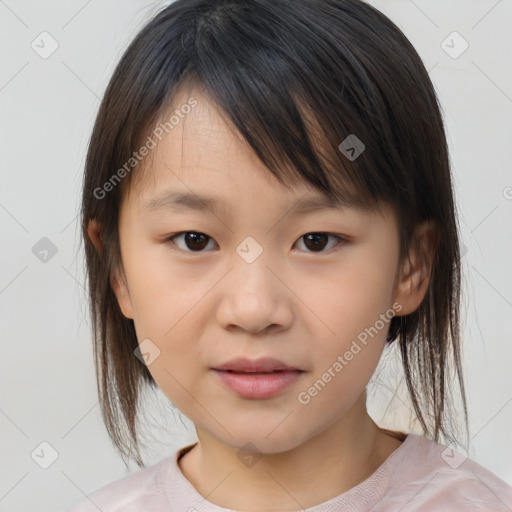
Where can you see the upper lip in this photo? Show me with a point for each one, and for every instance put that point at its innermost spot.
(264, 364)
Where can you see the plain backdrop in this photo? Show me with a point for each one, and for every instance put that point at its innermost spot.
(48, 389)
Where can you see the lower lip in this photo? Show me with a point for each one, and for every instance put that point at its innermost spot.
(258, 385)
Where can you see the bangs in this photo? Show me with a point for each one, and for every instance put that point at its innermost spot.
(305, 120)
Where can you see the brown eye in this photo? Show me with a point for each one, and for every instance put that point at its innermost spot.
(316, 242)
(194, 240)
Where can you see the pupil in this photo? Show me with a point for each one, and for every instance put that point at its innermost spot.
(192, 238)
(317, 244)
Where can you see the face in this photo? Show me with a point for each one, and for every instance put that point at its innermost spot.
(252, 276)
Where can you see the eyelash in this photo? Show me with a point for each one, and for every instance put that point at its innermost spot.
(341, 240)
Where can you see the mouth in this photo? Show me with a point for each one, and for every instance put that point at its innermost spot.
(257, 379)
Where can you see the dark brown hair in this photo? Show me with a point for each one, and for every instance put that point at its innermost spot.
(295, 78)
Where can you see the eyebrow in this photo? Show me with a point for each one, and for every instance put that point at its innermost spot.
(180, 201)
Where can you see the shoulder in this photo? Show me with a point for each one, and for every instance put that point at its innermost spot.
(137, 491)
(428, 476)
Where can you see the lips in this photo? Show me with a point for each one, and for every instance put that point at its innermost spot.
(257, 379)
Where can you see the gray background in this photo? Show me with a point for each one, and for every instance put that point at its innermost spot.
(48, 389)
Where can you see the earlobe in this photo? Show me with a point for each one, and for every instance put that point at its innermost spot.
(415, 276)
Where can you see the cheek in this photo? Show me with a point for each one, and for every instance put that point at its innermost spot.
(161, 294)
(167, 310)
(348, 298)
(344, 362)
(351, 336)
(168, 303)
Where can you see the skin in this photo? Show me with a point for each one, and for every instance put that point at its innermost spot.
(302, 306)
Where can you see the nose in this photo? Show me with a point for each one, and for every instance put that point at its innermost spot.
(255, 298)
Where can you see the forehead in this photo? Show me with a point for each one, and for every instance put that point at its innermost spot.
(200, 150)
(202, 163)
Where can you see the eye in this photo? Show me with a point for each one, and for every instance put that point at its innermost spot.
(195, 241)
(316, 241)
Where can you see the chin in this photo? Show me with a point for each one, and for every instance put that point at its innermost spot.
(264, 439)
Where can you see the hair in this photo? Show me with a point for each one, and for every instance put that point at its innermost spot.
(295, 78)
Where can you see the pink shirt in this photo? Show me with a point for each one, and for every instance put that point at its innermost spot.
(420, 475)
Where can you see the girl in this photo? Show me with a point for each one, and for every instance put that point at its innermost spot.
(267, 206)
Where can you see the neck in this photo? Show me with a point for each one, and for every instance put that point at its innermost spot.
(327, 465)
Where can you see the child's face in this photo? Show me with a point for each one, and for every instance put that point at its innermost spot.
(206, 301)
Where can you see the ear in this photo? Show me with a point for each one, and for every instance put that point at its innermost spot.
(93, 230)
(120, 287)
(414, 277)
(117, 281)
